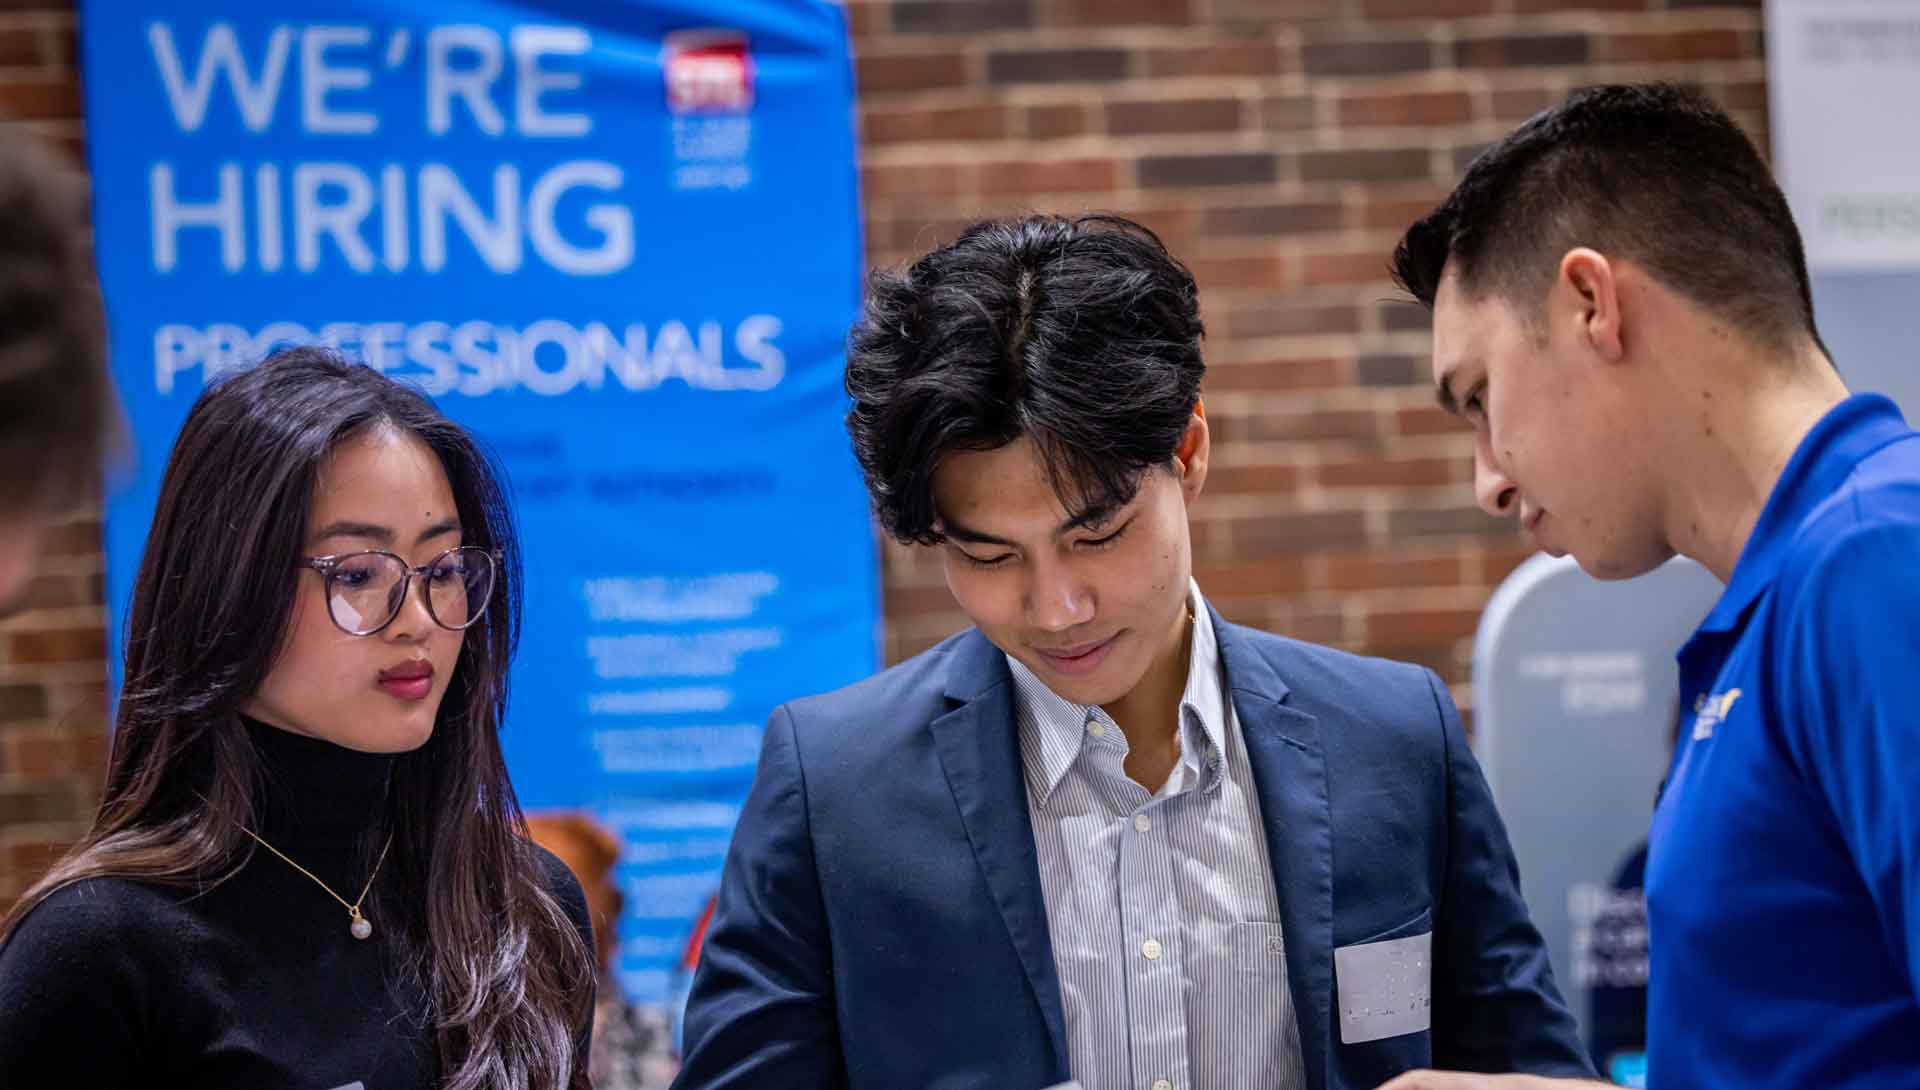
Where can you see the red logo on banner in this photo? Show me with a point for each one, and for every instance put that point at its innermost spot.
(708, 71)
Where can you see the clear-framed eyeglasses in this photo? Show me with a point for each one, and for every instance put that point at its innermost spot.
(366, 590)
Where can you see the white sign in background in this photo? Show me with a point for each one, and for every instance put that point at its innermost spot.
(1843, 78)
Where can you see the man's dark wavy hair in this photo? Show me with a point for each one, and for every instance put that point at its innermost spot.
(1081, 334)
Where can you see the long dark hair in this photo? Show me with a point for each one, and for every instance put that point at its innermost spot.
(507, 976)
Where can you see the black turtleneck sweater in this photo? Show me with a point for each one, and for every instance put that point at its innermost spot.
(255, 984)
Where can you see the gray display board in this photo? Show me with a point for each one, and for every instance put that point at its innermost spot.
(1574, 689)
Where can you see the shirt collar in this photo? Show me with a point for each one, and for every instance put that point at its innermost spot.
(1053, 730)
(1848, 433)
(1203, 706)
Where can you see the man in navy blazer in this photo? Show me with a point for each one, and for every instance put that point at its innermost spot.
(1103, 835)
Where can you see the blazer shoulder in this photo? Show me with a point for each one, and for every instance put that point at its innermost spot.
(1314, 666)
(1360, 692)
(913, 690)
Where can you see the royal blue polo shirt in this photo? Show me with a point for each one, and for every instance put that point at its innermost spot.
(1783, 876)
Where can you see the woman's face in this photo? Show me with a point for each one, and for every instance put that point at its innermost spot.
(383, 490)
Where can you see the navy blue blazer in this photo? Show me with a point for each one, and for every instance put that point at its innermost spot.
(881, 925)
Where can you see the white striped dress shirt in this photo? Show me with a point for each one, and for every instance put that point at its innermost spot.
(1161, 906)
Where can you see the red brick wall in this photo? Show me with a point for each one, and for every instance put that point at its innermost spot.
(1279, 146)
(53, 737)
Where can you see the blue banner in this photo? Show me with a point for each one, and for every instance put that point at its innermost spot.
(620, 241)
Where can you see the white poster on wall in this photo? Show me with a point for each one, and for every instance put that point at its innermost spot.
(1842, 80)
(1844, 77)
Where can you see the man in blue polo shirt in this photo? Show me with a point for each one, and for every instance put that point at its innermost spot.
(1621, 311)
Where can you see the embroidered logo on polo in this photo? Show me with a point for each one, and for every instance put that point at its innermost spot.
(1710, 710)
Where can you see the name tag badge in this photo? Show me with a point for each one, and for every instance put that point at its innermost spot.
(1386, 988)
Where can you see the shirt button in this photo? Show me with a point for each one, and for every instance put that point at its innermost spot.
(1098, 730)
(1162, 1084)
(1141, 824)
(1151, 948)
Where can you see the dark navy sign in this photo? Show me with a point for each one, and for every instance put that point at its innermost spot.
(619, 240)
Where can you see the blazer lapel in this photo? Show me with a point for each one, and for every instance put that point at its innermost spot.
(979, 747)
(1290, 774)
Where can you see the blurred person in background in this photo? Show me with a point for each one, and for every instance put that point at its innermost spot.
(1621, 311)
(632, 1043)
(1103, 834)
(307, 867)
(57, 410)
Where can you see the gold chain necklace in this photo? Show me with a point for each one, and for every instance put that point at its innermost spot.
(359, 926)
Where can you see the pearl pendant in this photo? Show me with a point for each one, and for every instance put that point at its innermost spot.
(362, 928)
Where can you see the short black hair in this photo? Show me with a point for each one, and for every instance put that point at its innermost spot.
(1655, 173)
(1082, 334)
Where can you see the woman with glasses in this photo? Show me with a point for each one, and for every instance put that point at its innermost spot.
(308, 868)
